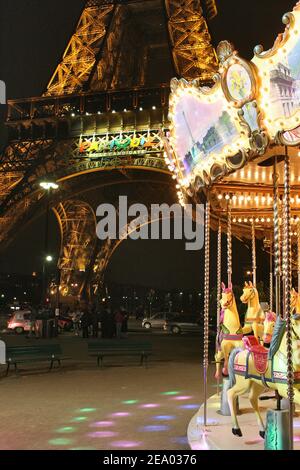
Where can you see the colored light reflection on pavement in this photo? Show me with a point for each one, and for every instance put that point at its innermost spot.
(189, 407)
(126, 444)
(99, 430)
(66, 430)
(120, 414)
(102, 424)
(164, 417)
(152, 428)
(182, 397)
(78, 419)
(103, 434)
(150, 405)
(87, 410)
(61, 442)
(180, 440)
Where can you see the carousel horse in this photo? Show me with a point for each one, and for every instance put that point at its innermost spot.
(256, 368)
(295, 301)
(269, 325)
(230, 331)
(255, 316)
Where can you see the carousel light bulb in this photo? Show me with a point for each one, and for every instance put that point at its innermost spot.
(257, 219)
(227, 197)
(263, 199)
(262, 219)
(245, 220)
(240, 220)
(234, 220)
(249, 198)
(220, 196)
(268, 219)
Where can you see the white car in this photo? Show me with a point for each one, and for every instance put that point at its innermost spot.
(19, 321)
(158, 320)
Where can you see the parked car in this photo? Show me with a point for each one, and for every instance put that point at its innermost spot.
(158, 320)
(183, 324)
(19, 321)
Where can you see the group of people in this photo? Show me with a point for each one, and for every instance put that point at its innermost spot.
(113, 324)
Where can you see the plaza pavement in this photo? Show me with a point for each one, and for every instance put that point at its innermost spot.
(122, 406)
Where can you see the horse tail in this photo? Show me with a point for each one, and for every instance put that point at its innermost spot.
(232, 356)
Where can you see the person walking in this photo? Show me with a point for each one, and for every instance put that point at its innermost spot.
(32, 319)
(85, 321)
(94, 320)
(119, 318)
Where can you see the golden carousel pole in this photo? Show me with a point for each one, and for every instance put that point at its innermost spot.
(206, 303)
(277, 254)
(253, 252)
(287, 291)
(219, 281)
(298, 253)
(271, 277)
(229, 245)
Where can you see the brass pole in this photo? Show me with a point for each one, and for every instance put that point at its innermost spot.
(219, 281)
(277, 257)
(253, 253)
(206, 304)
(298, 252)
(229, 245)
(287, 291)
(271, 278)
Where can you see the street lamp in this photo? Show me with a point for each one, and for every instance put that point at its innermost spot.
(48, 185)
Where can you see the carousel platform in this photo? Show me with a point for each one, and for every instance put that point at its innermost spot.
(217, 434)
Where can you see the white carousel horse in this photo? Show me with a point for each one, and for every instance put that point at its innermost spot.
(230, 331)
(255, 316)
(251, 369)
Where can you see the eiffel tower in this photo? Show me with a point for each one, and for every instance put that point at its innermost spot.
(98, 125)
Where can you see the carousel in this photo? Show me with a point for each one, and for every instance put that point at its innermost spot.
(238, 143)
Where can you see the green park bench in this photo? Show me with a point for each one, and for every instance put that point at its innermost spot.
(101, 349)
(33, 353)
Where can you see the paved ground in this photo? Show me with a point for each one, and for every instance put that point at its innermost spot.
(118, 407)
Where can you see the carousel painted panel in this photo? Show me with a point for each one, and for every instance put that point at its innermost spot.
(205, 132)
(279, 75)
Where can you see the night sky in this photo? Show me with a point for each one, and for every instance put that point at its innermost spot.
(33, 36)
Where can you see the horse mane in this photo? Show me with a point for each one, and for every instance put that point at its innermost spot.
(278, 332)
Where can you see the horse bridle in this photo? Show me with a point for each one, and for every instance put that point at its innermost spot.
(229, 303)
(251, 295)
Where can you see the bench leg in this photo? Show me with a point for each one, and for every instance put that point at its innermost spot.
(55, 360)
(16, 368)
(7, 368)
(142, 359)
(146, 361)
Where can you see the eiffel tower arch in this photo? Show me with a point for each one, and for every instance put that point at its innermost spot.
(98, 126)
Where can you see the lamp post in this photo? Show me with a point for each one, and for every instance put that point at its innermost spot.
(48, 186)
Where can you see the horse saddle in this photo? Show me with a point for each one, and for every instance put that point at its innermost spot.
(259, 353)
